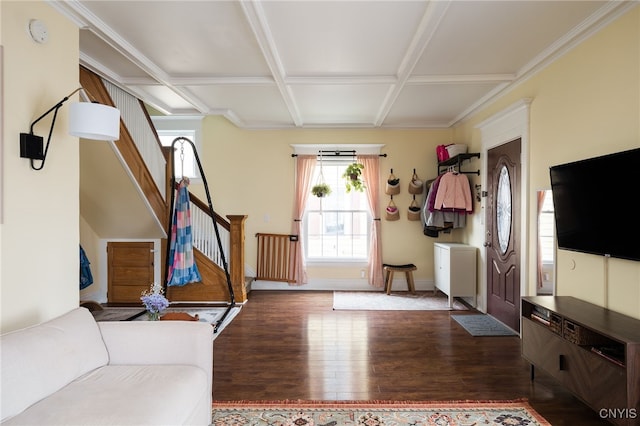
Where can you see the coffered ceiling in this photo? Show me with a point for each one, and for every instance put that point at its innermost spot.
(305, 63)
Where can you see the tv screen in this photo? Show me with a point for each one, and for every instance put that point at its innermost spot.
(595, 203)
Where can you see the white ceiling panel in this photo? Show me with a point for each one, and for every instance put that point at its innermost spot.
(246, 106)
(339, 104)
(498, 37)
(343, 63)
(433, 105)
(341, 37)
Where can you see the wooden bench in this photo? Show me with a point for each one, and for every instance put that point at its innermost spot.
(388, 275)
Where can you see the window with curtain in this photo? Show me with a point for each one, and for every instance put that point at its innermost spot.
(336, 227)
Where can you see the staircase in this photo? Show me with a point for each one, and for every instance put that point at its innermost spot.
(145, 163)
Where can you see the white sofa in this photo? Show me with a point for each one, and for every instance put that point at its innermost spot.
(73, 370)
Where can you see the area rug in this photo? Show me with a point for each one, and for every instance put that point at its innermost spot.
(483, 325)
(117, 313)
(375, 413)
(381, 301)
(210, 315)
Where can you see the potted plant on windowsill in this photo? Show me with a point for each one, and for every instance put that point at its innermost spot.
(321, 190)
(353, 177)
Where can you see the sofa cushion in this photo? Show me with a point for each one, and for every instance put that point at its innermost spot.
(39, 360)
(123, 395)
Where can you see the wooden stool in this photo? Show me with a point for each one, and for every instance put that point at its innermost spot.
(388, 275)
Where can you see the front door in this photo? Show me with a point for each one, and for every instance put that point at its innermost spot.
(503, 233)
(130, 271)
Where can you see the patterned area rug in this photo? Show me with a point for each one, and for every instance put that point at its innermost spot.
(381, 301)
(375, 413)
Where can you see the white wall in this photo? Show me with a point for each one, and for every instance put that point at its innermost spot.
(39, 234)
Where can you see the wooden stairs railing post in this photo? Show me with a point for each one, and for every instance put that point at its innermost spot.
(236, 255)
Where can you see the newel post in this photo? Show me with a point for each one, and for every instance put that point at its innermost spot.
(236, 256)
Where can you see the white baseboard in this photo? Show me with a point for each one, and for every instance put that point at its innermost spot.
(399, 284)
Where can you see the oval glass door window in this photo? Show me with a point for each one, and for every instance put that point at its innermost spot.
(503, 209)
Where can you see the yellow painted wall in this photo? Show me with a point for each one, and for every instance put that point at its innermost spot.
(252, 172)
(39, 236)
(585, 104)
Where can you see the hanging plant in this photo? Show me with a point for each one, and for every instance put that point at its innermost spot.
(321, 190)
(353, 177)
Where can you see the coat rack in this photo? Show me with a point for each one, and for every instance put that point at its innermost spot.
(457, 162)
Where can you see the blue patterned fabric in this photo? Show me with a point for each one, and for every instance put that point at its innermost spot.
(86, 278)
(182, 267)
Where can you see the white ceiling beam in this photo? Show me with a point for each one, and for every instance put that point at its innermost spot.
(258, 22)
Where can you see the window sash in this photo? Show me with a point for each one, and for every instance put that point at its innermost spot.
(336, 235)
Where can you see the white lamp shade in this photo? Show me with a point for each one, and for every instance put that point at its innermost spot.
(94, 121)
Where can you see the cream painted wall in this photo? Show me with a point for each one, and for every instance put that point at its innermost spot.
(252, 172)
(39, 258)
(585, 104)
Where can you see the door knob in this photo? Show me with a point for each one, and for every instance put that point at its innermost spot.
(487, 244)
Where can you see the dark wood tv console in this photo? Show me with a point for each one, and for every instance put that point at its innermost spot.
(592, 351)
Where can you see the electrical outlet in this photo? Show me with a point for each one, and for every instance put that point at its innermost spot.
(362, 273)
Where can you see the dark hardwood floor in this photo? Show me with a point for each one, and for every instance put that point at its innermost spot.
(293, 345)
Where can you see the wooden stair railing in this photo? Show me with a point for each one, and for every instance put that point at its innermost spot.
(94, 85)
(214, 281)
(213, 286)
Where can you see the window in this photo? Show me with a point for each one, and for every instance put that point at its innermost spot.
(546, 227)
(169, 128)
(336, 227)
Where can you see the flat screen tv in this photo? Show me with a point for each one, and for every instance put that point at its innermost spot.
(596, 205)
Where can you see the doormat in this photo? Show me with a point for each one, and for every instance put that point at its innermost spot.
(483, 325)
(381, 301)
(401, 413)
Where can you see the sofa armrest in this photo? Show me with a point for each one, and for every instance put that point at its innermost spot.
(159, 342)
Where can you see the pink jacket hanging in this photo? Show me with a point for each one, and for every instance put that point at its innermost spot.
(454, 192)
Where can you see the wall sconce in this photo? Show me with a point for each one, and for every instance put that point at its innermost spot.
(90, 120)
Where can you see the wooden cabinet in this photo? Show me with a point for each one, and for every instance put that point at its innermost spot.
(592, 351)
(455, 270)
(130, 270)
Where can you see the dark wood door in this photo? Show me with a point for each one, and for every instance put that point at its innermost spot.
(503, 233)
(130, 270)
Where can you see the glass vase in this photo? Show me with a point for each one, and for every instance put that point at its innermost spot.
(153, 316)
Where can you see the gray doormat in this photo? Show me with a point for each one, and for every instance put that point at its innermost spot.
(483, 325)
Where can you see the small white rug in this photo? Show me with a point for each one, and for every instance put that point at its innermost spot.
(210, 315)
(381, 301)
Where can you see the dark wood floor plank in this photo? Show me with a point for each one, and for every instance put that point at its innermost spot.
(293, 345)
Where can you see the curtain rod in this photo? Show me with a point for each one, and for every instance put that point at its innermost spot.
(338, 153)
